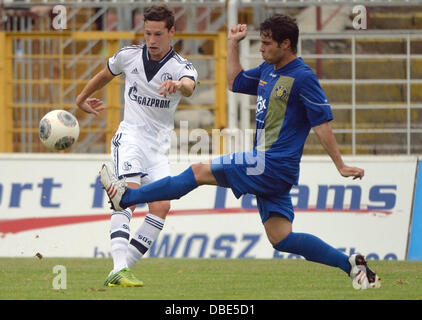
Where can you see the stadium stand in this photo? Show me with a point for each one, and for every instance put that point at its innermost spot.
(387, 69)
(372, 77)
(48, 73)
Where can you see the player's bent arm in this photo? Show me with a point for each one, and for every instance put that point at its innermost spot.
(233, 66)
(328, 141)
(99, 81)
(187, 86)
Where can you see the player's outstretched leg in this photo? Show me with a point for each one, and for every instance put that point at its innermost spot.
(168, 188)
(362, 276)
(314, 249)
(122, 278)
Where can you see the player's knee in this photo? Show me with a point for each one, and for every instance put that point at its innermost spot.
(203, 174)
(276, 238)
(198, 171)
(277, 229)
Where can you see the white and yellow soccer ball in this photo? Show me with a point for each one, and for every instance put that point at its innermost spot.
(58, 130)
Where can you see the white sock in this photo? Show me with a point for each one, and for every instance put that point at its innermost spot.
(143, 238)
(119, 235)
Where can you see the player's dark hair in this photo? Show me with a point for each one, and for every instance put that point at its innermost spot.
(281, 27)
(160, 13)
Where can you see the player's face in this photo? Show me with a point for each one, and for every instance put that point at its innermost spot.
(272, 51)
(158, 38)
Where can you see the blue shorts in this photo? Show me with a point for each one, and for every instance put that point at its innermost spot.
(244, 176)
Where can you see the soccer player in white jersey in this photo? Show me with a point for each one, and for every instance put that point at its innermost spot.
(156, 78)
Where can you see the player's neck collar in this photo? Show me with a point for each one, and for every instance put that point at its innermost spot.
(167, 56)
(151, 67)
(292, 61)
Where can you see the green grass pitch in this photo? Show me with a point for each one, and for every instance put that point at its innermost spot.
(204, 279)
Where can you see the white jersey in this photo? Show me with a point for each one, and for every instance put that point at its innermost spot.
(140, 147)
(145, 108)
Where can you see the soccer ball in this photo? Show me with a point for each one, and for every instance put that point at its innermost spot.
(58, 130)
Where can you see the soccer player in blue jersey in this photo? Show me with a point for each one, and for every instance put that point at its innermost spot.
(290, 102)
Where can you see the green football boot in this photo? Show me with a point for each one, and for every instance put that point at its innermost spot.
(123, 278)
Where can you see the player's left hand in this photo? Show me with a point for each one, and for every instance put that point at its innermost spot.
(91, 105)
(169, 86)
(354, 172)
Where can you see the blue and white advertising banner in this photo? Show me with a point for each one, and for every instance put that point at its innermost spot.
(54, 205)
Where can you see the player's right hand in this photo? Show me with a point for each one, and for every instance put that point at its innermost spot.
(355, 172)
(238, 33)
(91, 105)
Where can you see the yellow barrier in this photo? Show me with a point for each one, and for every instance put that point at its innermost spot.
(6, 120)
(48, 51)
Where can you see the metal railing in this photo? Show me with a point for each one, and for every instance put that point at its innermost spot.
(34, 79)
(368, 117)
(280, 3)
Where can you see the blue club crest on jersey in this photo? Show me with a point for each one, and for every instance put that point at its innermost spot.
(166, 76)
(127, 166)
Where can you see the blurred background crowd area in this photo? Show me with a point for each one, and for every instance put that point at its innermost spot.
(372, 75)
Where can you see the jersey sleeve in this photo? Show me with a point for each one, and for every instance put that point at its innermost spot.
(317, 107)
(115, 64)
(247, 81)
(188, 71)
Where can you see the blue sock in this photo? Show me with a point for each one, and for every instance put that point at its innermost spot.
(168, 188)
(314, 249)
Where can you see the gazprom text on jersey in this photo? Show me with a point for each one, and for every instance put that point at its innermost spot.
(148, 101)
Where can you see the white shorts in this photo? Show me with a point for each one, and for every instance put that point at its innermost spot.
(137, 159)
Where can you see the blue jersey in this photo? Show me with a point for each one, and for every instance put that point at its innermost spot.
(290, 102)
